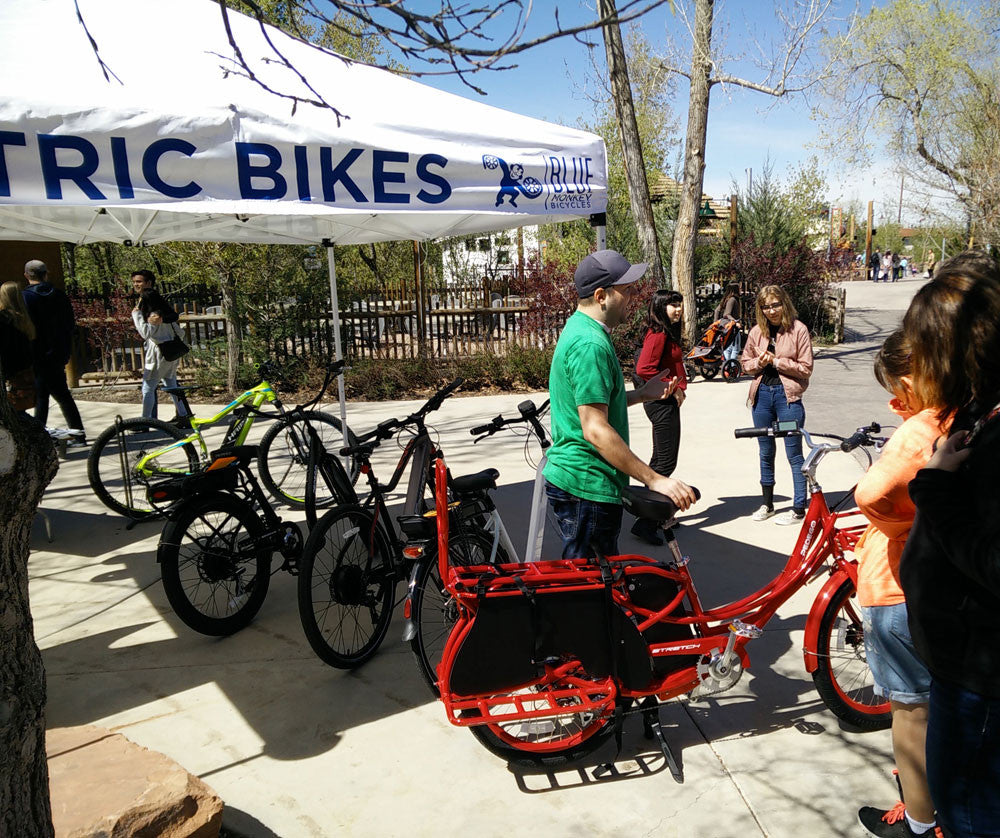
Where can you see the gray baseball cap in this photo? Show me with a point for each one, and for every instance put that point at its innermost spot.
(604, 269)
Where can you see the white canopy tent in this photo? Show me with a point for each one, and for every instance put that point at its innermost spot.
(178, 144)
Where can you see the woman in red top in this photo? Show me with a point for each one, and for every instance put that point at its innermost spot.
(661, 352)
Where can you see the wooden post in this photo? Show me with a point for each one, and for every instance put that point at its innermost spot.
(868, 239)
(733, 202)
(850, 230)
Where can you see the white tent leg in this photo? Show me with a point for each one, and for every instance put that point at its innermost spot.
(337, 349)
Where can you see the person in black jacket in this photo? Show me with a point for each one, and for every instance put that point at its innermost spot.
(950, 569)
(52, 314)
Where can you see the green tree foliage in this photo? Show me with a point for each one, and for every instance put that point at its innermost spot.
(920, 77)
(778, 215)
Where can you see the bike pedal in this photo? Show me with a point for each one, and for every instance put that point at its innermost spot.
(742, 629)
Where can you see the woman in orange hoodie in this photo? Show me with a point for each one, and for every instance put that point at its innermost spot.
(900, 675)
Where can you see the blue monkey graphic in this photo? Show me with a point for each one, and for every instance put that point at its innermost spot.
(512, 180)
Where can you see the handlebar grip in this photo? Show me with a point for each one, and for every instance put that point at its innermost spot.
(743, 433)
(481, 429)
(451, 388)
(853, 441)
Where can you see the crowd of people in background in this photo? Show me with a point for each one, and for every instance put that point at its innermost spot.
(891, 267)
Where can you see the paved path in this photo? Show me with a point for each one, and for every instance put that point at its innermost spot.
(296, 748)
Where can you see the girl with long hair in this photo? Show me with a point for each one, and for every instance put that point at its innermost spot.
(661, 352)
(779, 356)
(950, 567)
(17, 332)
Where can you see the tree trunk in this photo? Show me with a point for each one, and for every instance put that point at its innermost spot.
(635, 167)
(27, 464)
(682, 264)
(230, 309)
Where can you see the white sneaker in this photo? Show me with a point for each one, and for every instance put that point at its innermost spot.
(762, 514)
(786, 519)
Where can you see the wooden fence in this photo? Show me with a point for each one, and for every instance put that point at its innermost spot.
(441, 330)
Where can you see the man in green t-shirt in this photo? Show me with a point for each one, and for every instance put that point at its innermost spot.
(589, 462)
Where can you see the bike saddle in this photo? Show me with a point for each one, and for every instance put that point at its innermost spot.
(486, 479)
(645, 503)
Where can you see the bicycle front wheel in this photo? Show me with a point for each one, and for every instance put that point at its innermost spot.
(112, 465)
(843, 679)
(215, 570)
(347, 582)
(432, 609)
(283, 460)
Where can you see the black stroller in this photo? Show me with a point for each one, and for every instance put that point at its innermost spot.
(718, 349)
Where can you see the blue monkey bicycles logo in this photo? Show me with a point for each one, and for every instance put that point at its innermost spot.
(512, 180)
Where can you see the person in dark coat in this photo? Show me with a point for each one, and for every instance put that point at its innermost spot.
(950, 567)
(52, 314)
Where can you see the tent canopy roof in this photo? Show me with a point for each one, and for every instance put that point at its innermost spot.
(180, 145)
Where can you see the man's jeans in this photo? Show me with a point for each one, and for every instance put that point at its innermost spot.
(585, 525)
(769, 406)
(963, 760)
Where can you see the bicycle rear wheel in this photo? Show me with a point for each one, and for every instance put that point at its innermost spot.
(548, 741)
(215, 570)
(843, 679)
(432, 609)
(284, 458)
(111, 464)
(346, 586)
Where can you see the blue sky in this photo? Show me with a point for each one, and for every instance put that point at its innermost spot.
(745, 128)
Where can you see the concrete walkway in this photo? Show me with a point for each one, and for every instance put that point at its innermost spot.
(296, 748)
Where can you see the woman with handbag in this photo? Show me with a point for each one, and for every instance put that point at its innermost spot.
(162, 352)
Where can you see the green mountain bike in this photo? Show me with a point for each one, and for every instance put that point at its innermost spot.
(131, 452)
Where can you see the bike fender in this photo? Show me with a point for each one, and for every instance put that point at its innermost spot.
(810, 646)
(410, 627)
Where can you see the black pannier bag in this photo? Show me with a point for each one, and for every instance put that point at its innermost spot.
(513, 636)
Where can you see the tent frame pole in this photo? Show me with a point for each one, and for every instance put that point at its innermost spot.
(337, 349)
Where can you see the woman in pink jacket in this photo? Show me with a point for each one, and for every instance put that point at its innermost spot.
(779, 356)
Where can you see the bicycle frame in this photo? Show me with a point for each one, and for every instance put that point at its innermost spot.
(714, 641)
(245, 405)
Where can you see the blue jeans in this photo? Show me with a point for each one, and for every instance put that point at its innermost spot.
(149, 405)
(585, 525)
(897, 669)
(770, 406)
(963, 760)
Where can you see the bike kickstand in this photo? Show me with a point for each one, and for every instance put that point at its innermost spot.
(652, 728)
